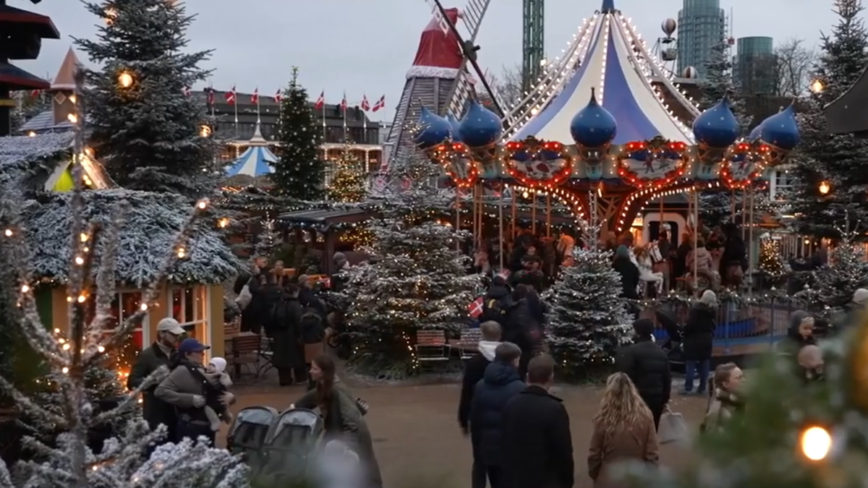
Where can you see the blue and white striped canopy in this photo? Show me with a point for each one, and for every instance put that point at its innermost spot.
(254, 162)
(618, 67)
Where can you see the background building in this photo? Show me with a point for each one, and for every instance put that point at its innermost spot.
(701, 26)
(754, 66)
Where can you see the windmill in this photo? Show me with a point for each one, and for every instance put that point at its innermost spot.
(439, 78)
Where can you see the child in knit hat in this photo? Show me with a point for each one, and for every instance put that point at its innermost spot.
(219, 383)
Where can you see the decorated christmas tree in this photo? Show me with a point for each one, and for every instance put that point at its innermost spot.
(771, 263)
(839, 160)
(144, 127)
(588, 320)
(832, 286)
(269, 240)
(93, 264)
(416, 281)
(299, 171)
(348, 184)
(791, 432)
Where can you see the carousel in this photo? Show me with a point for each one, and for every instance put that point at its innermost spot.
(600, 137)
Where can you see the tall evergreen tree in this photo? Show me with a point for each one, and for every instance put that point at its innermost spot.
(840, 159)
(298, 171)
(145, 129)
(715, 206)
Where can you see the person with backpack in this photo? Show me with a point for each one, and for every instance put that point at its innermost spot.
(496, 302)
(284, 329)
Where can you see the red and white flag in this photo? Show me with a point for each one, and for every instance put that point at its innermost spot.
(188, 91)
(35, 93)
(365, 105)
(230, 96)
(254, 99)
(278, 96)
(210, 95)
(474, 309)
(381, 103)
(344, 103)
(320, 102)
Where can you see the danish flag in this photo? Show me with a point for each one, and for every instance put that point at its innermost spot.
(187, 91)
(254, 99)
(230, 96)
(278, 96)
(320, 102)
(365, 105)
(210, 95)
(35, 93)
(344, 103)
(381, 103)
(474, 309)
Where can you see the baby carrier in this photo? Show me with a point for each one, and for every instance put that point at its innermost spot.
(279, 448)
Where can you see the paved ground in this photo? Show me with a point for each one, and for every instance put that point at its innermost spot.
(416, 435)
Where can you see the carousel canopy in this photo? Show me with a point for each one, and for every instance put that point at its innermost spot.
(256, 161)
(614, 67)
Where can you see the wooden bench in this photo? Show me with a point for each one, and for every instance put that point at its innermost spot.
(431, 345)
(468, 344)
(247, 350)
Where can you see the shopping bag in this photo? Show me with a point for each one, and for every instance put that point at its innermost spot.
(244, 298)
(672, 428)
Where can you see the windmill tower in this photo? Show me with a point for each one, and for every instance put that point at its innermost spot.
(429, 81)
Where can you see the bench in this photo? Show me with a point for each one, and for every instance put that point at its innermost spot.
(250, 350)
(431, 345)
(468, 344)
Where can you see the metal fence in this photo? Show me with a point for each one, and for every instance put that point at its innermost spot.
(742, 328)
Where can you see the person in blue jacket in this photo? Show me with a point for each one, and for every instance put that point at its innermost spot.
(499, 385)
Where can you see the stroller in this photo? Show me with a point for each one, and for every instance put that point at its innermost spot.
(278, 448)
(672, 346)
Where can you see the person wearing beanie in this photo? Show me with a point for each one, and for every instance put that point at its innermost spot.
(220, 381)
(697, 342)
(648, 367)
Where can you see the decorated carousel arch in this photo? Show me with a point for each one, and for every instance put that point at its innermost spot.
(598, 135)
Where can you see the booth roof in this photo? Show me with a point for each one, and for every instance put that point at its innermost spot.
(149, 232)
(23, 158)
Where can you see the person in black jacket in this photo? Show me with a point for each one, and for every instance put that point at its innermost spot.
(629, 273)
(496, 302)
(520, 327)
(474, 371)
(500, 384)
(648, 368)
(698, 342)
(537, 444)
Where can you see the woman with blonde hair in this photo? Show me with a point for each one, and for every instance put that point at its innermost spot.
(726, 400)
(623, 430)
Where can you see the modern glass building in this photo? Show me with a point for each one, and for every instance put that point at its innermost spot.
(754, 66)
(701, 26)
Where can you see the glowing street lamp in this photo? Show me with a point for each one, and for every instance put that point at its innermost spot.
(125, 79)
(825, 188)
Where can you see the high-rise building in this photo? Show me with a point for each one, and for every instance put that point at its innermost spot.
(754, 66)
(701, 26)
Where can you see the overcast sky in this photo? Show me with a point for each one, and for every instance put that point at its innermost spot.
(365, 47)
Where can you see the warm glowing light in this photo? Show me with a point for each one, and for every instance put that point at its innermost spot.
(31, 134)
(182, 252)
(825, 188)
(79, 260)
(66, 347)
(25, 289)
(110, 15)
(100, 349)
(525, 194)
(65, 370)
(144, 307)
(83, 237)
(223, 223)
(82, 298)
(205, 131)
(816, 442)
(202, 204)
(125, 79)
(73, 98)
(72, 118)
(817, 86)
(8, 232)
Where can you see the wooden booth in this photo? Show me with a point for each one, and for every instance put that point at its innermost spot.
(327, 224)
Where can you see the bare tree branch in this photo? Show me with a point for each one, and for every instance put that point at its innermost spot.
(794, 62)
(507, 85)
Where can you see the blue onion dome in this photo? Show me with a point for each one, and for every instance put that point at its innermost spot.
(781, 129)
(433, 129)
(593, 126)
(755, 134)
(717, 126)
(480, 127)
(456, 127)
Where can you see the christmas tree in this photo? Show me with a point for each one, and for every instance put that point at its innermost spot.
(588, 320)
(771, 263)
(840, 160)
(348, 184)
(417, 280)
(269, 240)
(298, 171)
(144, 127)
(791, 432)
(832, 286)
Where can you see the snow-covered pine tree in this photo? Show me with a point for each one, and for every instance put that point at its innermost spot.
(416, 281)
(144, 128)
(269, 239)
(588, 320)
(840, 159)
(715, 206)
(833, 284)
(299, 172)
